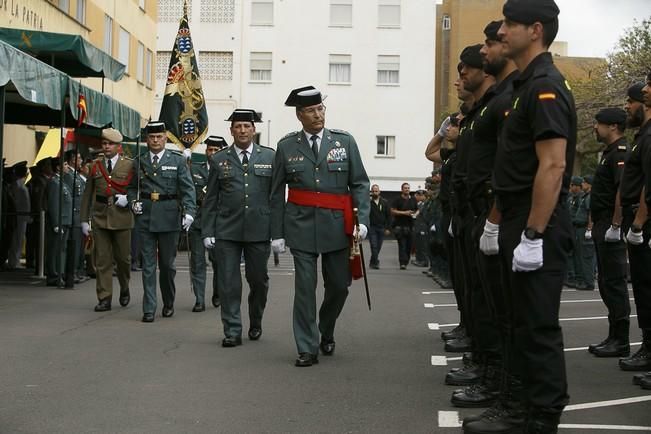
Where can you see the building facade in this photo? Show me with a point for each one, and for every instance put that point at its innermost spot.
(373, 59)
(124, 29)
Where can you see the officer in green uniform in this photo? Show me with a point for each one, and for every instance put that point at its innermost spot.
(76, 185)
(579, 213)
(236, 220)
(163, 200)
(574, 276)
(587, 249)
(326, 178)
(197, 250)
(57, 230)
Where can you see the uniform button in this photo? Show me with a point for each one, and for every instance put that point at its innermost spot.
(317, 169)
(317, 181)
(246, 206)
(246, 185)
(246, 174)
(246, 195)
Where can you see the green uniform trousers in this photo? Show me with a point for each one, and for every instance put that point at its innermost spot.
(110, 246)
(256, 256)
(56, 249)
(198, 265)
(336, 278)
(161, 246)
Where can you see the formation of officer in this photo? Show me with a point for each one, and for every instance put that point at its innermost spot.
(579, 208)
(326, 178)
(236, 221)
(106, 214)
(77, 185)
(161, 194)
(200, 172)
(57, 224)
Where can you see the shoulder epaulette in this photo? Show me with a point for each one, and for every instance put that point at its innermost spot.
(336, 131)
(267, 147)
(175, 152)
(126, 158)
(293, 133)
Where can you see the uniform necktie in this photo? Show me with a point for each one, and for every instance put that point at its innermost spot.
(315, 145)
(109, 166)
(155, 159)
(245, 159)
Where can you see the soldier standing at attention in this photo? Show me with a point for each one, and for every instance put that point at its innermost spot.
(105, 211)
(236, 220)
(609, 246)
(57, 231)
(198, 251)
(531, 177)
(326, 178)
(166, 204)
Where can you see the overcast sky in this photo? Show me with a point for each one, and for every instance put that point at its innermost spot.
(593, 27)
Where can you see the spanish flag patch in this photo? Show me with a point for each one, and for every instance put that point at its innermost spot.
(547, 95)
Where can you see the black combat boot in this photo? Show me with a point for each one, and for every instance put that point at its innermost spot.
(542, 421)
(460, 345)
(456, 333)
(640, 361)
(618, 345)
(611, 335)
(470, 374)
(506, 416)
(482, 394)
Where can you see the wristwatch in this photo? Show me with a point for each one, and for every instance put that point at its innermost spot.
(532, 234)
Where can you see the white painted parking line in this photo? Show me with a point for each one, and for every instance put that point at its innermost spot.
(444, 305)
(584, 318)
(437, 292)
(439, 361)
(449, 419)
(605, 427)
(633, 344)
(433, 326)
(590, 300)
(610, 403)
(429, 306)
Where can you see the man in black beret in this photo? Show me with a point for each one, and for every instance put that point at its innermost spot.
(532, 171)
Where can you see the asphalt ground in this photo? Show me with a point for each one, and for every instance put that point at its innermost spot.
(68, 369)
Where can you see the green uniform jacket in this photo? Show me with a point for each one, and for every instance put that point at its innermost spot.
(237, 205)
(53, 203)
(171, 177)
(79, 186)
(199, 172)
(105, 216)
(338, 170)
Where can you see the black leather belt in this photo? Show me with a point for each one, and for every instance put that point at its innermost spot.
(102, 199)
(155, 197)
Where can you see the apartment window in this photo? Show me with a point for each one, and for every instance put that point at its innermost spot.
(341, 13)
(260, 66)
(217, 65)
(217, 11)
(340, 68)
(389, 13)
(262, 13)
(162, 64)
(386, 146)
(64, 5)
(446, 22)
(171, 11)
(108, 34)
(141, 3)
(123, 48)
(148, 63)
(81, 11)
(140, 65)
(388, 69)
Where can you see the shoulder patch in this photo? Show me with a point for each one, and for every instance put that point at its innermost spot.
(621, 148)
(336, 131)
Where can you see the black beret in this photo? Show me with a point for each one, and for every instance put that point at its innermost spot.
(459, 67)
(244, 115)
(530, 11)
(490, 31)
(611, 115)
(471, 57)
(635, 92)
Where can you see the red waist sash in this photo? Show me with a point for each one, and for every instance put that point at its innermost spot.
(317, 199)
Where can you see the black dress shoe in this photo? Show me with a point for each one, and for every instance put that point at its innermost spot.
(168, 311)
(199, 307)
(103, 305)
(614, 348)
(231, 341)
(460, 345)
(125, 298)
(255, 333)
(606, 341)
(640, 361)
(215, 301)
(327, 347)
(306, 359)
(637, 378)
(147, 317)
(456, 333)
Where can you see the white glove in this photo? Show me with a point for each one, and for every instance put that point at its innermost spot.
(363, 231)
(613, 235)
(443, 131)
(187, 153)
(187, 222)
(56, 229)
(432, 228)
(635, 238)
(488, 241)
(136, 207)
(85, 228)
(209, 242)
(278, 246)
(528, 255)
(588, 234)
(121, 200)
(450, 232)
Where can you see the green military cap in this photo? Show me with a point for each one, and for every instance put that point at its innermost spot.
(611, 115)
(530, 11)
(588, 179)
(576, 180)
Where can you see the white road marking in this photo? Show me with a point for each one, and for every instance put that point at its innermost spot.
(439, 361)
(605, 427)
(633, 344)
(584, 318)
(433, 326)
(610, 403)
(590, 300)
(449, 419)
(443, 305)
(428, 305)
(437, 292)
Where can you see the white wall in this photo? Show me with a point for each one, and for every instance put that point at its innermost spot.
(301, 41)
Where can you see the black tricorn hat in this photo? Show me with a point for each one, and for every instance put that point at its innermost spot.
(244, 115)
(216, 141)
(304, 97)
(155, 127)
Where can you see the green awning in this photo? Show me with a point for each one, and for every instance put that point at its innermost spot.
(36, 93)
(71, 54)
